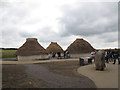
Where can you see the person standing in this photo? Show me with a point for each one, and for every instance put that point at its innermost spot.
(93, 55)
(67, 54)
(64, 54)
(118, 56)
(107, 56)
(59, 55)
(115, 55)
(53, 55)
(111, 55)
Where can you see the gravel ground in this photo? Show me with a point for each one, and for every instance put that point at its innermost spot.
(47, 75)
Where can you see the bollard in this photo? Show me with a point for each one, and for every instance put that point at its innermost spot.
(81, 61)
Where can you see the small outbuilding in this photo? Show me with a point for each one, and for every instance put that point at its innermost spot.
(78, 47)
(54, 47)
(31, 50)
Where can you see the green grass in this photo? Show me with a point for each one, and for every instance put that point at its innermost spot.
(8, 54)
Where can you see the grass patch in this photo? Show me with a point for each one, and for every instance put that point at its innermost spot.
(8, 54)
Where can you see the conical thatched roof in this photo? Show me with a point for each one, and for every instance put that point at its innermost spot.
(31, 47)
(80, 46)
(54, 47)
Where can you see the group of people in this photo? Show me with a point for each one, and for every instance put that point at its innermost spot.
(112, 55)
(103, 56)
(59, 56)
(66, 54)
(53, 55)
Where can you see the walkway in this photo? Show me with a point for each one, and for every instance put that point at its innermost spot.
(102, 79)
(35, 61)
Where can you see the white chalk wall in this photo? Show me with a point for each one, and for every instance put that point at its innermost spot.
(34, 57)
(80, 55)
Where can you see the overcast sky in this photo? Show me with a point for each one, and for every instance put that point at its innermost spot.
(59, 21)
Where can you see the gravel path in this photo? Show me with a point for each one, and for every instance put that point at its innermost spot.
(60, 81)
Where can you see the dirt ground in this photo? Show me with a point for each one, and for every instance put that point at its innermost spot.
(16, 76)
(67, 68)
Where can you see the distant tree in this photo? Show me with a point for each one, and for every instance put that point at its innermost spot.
(8, 48)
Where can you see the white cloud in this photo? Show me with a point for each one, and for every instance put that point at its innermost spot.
(58, 20)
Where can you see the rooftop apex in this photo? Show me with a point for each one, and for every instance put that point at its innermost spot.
(31, 39)
(79, 38)
(53, 42)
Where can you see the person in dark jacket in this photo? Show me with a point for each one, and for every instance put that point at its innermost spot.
(118, 57)
(115, 56)
(59, 55)
(64, 54)
(53, 55)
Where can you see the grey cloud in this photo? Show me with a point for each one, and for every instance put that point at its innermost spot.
(109, 37)
(46, 34)
(89, 19)
(112, 40)
(26, 34)
(11, 38)
(13, 13)
(93, 21)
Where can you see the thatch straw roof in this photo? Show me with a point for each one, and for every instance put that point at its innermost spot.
(54, 47)
(31, 47)
(80, 46)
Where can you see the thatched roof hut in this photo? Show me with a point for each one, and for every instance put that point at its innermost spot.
(54, 47)
(31, 47)
(80, 46)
